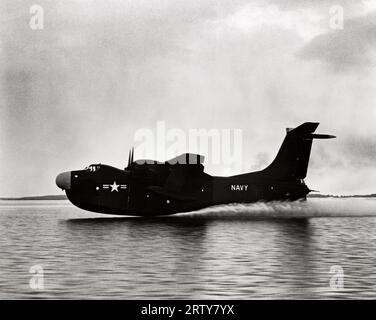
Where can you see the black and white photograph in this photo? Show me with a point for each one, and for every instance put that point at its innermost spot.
(194, 150)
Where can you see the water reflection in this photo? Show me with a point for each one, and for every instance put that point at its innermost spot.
(255, 250)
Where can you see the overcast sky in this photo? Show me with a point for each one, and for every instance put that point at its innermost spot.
(75, 92)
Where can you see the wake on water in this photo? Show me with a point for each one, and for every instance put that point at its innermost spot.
(314, 207)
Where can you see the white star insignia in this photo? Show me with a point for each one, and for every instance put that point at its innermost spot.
(114, 187)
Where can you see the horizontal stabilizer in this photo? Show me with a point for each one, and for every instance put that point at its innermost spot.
(319, 136)
(306, 131)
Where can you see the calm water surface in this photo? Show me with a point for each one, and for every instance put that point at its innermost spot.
(260, 251)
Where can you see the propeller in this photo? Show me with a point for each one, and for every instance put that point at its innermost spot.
(130, 156)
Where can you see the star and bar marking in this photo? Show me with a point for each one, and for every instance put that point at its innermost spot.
(114, 186)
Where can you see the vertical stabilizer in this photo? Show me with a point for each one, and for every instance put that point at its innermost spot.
(292, 159)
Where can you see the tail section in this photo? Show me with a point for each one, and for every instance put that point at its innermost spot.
(292, 159)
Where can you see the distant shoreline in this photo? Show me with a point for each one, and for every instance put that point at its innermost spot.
(48, 197)
(64, 197)
(372, 195)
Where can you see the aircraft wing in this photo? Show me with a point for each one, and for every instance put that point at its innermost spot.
(187, 159)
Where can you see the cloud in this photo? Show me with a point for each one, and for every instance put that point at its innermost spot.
(360, 151)
(347, 49)
(315, 4)
(75, 92)
(262, 160)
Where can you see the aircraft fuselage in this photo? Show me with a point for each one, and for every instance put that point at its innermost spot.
(149, 188)
(114, 191)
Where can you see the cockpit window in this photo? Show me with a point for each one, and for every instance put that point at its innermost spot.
(93, 167)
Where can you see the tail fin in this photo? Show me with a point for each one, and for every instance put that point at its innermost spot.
(292, 159)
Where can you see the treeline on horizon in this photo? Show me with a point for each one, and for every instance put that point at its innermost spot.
(318, 195)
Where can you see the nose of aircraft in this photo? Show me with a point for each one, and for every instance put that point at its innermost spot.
(63, 180)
